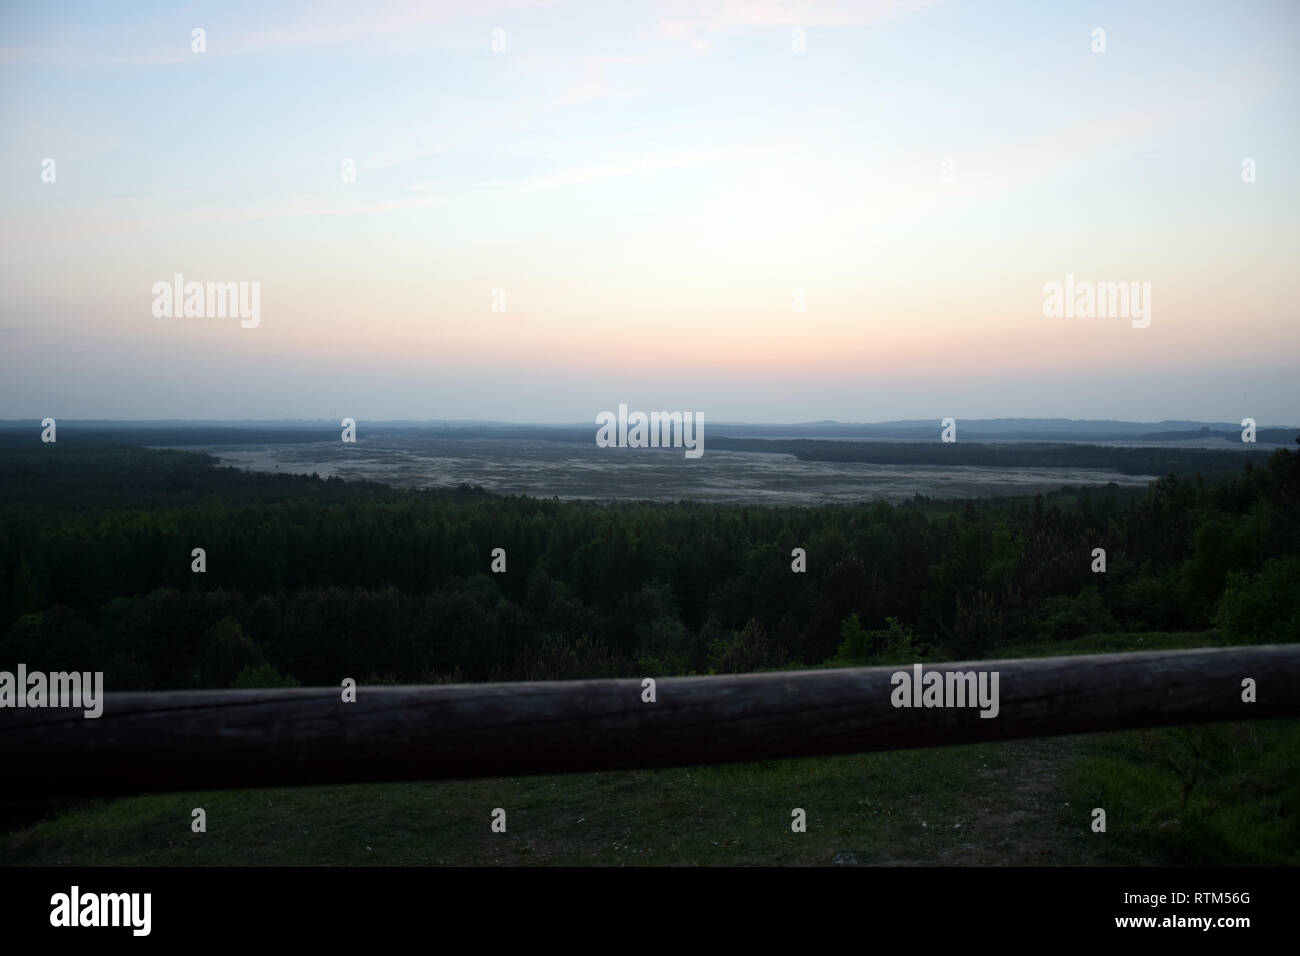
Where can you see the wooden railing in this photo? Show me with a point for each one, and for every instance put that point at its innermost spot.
(192, 740)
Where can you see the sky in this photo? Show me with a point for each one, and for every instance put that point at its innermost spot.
(536, 211)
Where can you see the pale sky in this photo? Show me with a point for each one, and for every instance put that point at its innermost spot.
(652, 186)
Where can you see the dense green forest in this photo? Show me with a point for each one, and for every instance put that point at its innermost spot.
(311, 580)
(1127, 460)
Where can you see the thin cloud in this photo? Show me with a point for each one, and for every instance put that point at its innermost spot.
(396, 25)
(731, 14)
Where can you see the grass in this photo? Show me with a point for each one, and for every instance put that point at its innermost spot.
(898, 807)
(1219, 794)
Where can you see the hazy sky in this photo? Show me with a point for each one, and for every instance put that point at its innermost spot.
(649, 184)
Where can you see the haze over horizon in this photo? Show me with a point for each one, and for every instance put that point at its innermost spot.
(650, 186)
(1006, 422)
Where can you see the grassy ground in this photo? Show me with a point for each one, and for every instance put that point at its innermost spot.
(1222, 794)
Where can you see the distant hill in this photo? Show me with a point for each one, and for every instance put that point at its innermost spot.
(172, 432)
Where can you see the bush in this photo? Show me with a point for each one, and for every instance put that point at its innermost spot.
(893, 642)
(262, 676)
(1063, 618)
(1262, 608)
(742, 651)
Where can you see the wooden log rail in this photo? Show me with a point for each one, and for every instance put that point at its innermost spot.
(196, 740)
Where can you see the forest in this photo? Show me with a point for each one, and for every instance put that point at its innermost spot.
(307, 581)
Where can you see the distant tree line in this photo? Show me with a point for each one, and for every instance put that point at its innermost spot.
(1127, 460)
